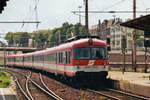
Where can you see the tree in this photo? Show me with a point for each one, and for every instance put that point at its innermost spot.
(78, 29)
(9, 38)
(17, 38)
(1, 43)
(23, 39)
(139, 38)
(42, 38)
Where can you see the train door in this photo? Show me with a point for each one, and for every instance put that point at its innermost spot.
(64, 61)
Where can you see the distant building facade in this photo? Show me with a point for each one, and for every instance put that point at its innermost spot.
(111, 28)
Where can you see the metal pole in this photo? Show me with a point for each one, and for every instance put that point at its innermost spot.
(59, 38)
(146, 10)
(123, 69)
(4, 56)
(86, 18)
(134, 37)
(145, 68)
(79, 14)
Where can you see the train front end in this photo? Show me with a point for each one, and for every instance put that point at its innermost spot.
(90, 59)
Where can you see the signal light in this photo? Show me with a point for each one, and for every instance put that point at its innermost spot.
(108, 42)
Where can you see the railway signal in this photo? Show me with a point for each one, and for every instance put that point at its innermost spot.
(108, 42)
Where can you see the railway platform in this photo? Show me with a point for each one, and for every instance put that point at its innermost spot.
(137, 83)
(7, 94)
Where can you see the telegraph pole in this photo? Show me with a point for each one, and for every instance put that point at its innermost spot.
(134, 37)
(86, 18)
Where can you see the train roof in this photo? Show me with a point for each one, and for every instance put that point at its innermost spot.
(68, 45)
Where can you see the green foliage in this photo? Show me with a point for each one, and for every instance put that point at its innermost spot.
(10, 38)
(17, 39)
(139, 38)
(47, 38)
(64, 32)
(5, 78)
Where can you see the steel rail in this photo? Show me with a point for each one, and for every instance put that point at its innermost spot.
(55, 98)
(38, 86)
(129, 94)
(22, 89)
(41, 79)
(103, 94)
(27, 87)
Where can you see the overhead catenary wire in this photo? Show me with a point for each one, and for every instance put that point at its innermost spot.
(113, 5)
(110, 11)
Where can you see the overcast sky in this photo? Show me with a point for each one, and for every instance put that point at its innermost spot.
(52, 13)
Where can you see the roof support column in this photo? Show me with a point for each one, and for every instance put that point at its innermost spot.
(134, 38)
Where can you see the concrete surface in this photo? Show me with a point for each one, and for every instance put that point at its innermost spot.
(7, 94)
(137, 83)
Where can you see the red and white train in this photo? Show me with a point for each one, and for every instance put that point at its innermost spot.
(85, 58)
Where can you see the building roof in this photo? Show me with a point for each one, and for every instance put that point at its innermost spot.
(141, 23)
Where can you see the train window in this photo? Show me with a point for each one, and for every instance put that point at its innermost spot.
(45, 57)
(32, 58)
(90, 53)
(97, 53)
(57, 57)
(82, 53)
(66, 54)
(68, 57)
(61, 57)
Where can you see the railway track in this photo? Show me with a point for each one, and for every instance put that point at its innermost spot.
(27, 91)
(117, 95)
(46, 87)
(42, 83)
(19, 84)
(128, 94)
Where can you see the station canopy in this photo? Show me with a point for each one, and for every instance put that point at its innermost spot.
(141, 23)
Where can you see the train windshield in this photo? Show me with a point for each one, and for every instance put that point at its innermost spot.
(90, 53)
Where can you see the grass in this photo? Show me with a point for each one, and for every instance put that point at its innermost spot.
(4, 80)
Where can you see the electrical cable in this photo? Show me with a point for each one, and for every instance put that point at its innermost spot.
(36, 12)
(113, 5)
